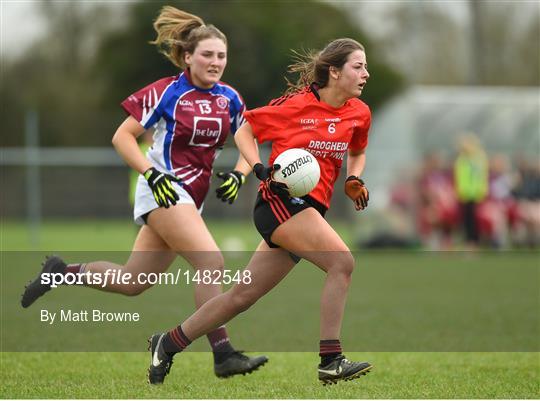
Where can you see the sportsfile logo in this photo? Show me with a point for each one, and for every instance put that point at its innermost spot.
(119, 277)
(206, 131)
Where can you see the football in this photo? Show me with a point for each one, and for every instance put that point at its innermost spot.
(299, 170)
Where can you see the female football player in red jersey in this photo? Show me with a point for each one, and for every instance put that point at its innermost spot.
(191, 113)
(323, 115)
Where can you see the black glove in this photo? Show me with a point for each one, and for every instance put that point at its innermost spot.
(161, 186)
(265, 174)
(232, 181)
(355, 188)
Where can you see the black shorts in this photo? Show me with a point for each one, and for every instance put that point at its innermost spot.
(271, 210)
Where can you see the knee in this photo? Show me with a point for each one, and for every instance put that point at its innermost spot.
(241, 301)
(212, 262)
(134, 290)
(342, 265)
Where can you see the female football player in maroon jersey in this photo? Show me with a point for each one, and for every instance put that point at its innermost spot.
(192, 114)
(323, 115)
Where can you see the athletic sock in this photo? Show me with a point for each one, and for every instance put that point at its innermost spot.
(220, 343)
(328, 350)
(75, 268)
(175, 341)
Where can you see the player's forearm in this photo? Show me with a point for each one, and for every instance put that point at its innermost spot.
(245, 141)
(356, 161)
(242, 165)
(125, 143)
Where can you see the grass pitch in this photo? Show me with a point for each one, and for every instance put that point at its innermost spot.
(416, 375)
(287, 375)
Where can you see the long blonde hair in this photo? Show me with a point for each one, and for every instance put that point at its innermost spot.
(179, 32)
(314, 66)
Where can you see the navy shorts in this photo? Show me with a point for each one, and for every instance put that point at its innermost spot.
(272, 209)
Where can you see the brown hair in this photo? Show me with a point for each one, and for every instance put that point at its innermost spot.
(179, 32)
(313, 66)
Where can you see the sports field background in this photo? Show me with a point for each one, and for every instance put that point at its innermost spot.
(288, 374)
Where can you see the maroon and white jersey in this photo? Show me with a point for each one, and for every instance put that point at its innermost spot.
(191, 125)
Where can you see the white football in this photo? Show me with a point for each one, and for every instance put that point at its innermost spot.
(299, 170)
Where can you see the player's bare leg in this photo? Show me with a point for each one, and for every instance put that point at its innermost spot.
(308, 234)
(150, 254)
(185, 232)
(267, 268)
(183, 229)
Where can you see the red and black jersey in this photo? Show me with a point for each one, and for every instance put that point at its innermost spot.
(303, 121)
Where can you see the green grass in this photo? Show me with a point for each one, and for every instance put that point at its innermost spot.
(287, 375)
(397, 302)
(113, 235)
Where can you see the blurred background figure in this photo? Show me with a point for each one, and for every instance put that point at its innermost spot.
(527, 193)
(471, 182)
(438, 208)
(497, 213)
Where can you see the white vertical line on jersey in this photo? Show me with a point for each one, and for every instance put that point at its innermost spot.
(149, 106)
(170, 135)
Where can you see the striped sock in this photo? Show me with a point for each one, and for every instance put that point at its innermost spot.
(75, 268)
(175, 341)
(328, 350)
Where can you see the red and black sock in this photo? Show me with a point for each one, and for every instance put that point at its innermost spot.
(75, 268)
(328, 350)
(175, 341)
(221, 345)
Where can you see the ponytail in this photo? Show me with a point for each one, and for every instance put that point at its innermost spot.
(314, 66)
(179, 32)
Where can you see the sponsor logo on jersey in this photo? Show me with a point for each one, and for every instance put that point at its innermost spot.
(206, 131)
(203, 101)
(184, 102)
(222, 102)
(328, 145)
(309, 123)
(331, 149)
(333, 120)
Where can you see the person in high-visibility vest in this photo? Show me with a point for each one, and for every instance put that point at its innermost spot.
(471, 180)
